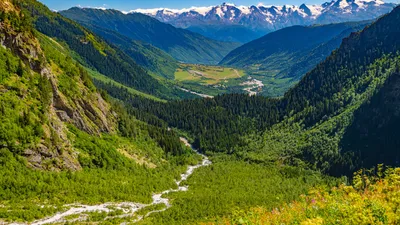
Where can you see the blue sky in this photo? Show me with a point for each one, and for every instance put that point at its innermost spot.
(178, 4)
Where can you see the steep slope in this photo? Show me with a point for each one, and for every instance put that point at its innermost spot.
(290, 52)
(263, 19)
(373, 135)
(64, 142)
(328, 100)
(149, 57)
(94, 52)
(40, 93)
(183, 45)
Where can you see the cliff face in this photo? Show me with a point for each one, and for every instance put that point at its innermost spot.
(46, 98)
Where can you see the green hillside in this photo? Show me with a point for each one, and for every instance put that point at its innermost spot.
(95, 53)
(369, 200)
(154, 60)
(61, 140)
(183, 45)
(281, 58)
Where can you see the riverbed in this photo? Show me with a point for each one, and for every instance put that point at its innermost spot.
(79, 212)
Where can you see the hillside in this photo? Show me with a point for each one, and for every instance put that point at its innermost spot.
(61, 140)
(94, 53)
(154, 60)
(285, 56)
(223, 32)
(183, 45)
(41, 91)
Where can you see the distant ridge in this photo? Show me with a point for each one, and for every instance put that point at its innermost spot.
(183, 45)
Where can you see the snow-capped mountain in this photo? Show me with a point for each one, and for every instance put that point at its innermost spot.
(261, 19)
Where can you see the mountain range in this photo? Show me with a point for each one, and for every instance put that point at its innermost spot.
(228, 22)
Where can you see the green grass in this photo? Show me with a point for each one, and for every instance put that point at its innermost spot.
(210, 80)
(145, 210)
(208, 75)
(183, 75)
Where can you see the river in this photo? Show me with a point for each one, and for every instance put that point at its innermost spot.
(128, 208)
(195, 93)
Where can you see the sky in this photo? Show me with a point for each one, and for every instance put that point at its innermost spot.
(126, 5)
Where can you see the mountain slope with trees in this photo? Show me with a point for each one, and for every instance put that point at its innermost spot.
(152, 59)
(95, 53)
(63, 141)
(286, 55)
(183, 45)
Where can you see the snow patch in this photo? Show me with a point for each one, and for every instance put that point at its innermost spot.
(316, 10)
(343, 4)
(244, 9)
(219, 12)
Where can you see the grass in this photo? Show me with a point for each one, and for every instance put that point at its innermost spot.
(207, 75)
(210, 80)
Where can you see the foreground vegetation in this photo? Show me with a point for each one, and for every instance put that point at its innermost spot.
(372, 199)
(228, 183)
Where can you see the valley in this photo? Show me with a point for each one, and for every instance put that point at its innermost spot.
(110, 211)
(210, 115)
(216, 80)
(208, 79)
